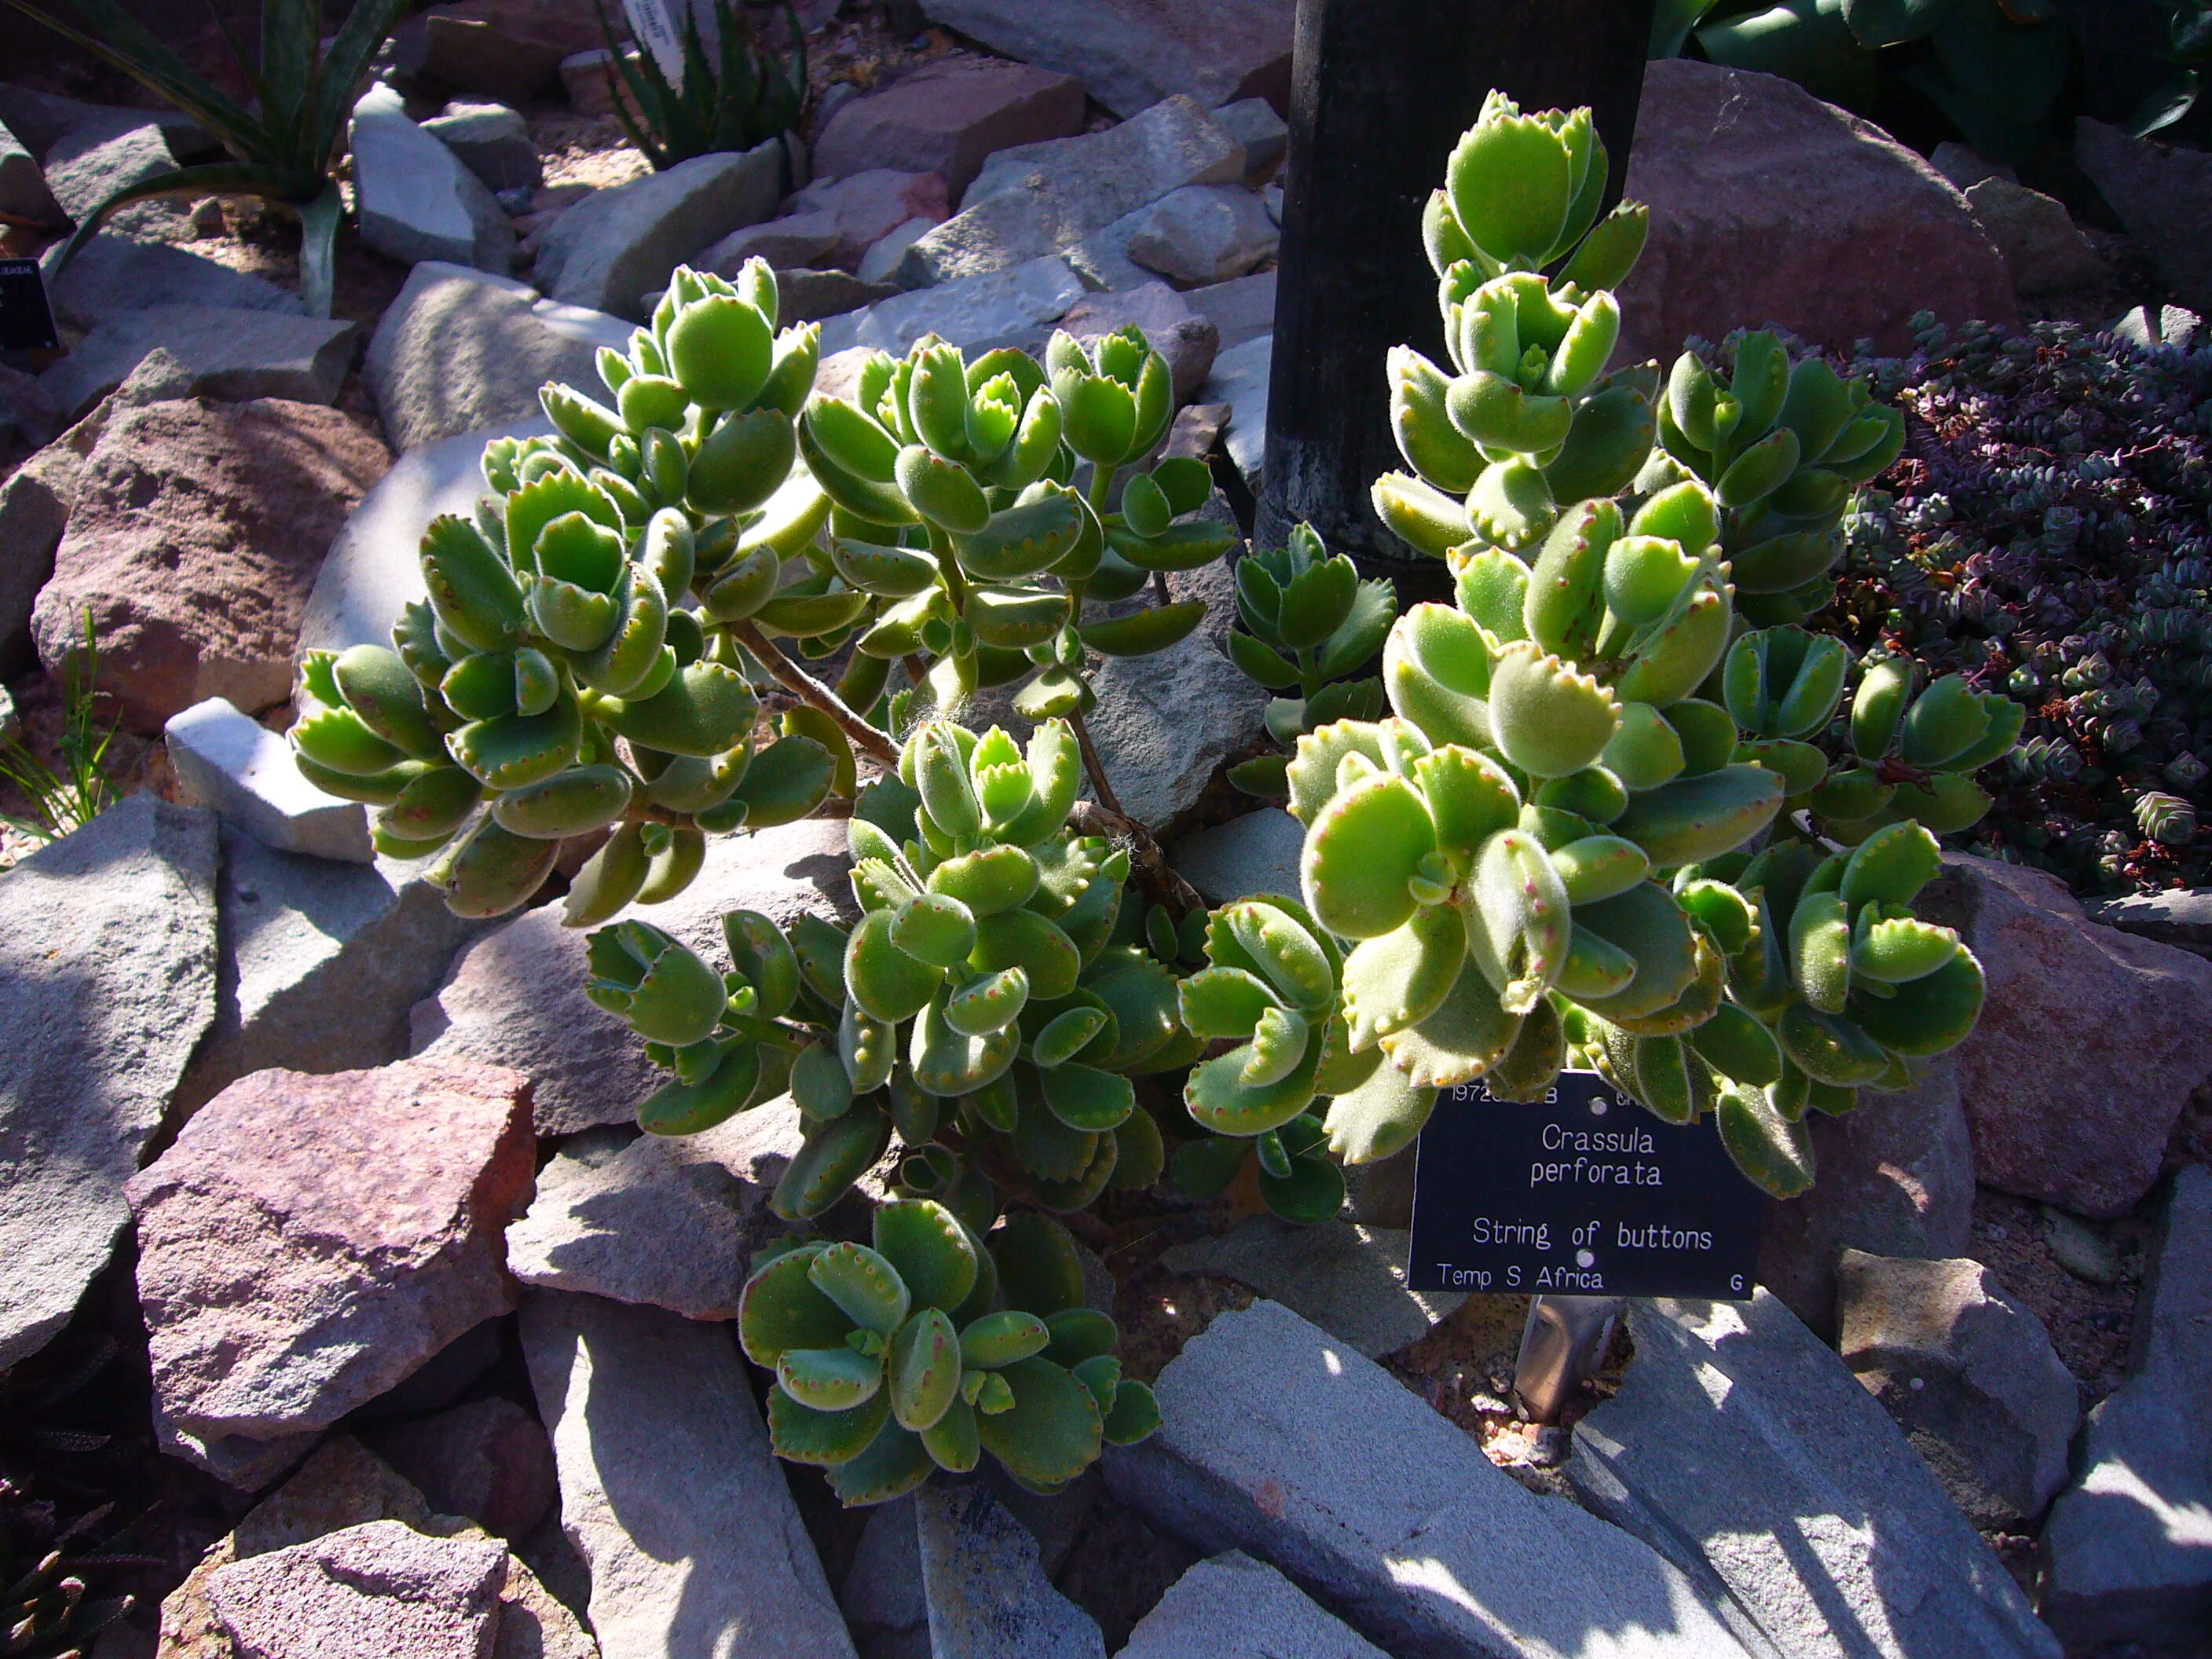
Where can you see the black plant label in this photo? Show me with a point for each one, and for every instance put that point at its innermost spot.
(1582, 1194)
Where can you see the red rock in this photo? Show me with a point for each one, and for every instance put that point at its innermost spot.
(489, 1460)
(196, 533)
(947, 117)
(510, 49)
(308, 1241)
(1769, 207)
(2090, 1043)
(377, 1591)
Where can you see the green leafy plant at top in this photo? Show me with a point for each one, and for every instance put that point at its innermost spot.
(1542, 855)
(281, 138)
(72, 797)
(1998, 71)
(730, 95)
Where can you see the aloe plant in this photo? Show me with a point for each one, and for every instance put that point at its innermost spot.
(281, 140)
(730, 95)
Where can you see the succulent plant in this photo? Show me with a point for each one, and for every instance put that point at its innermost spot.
(931, 1348)
(2045, 536)
(1541, 853)
(989, 1008)
(560, 677)
(1309, 623)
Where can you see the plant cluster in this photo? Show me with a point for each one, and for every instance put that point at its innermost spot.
(1530, 836)
(1544, 853)
(732, 92)
(281, 139)
(2003, 73)
(2049, 535)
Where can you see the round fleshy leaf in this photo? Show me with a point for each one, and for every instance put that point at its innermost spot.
(931, 1250)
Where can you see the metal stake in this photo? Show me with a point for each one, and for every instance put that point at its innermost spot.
(1561, 1344)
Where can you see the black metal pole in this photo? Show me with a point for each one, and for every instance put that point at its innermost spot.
(1379, 92)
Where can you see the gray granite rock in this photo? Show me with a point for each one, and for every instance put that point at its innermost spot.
(1240, 379)
(2174, 328)
(1741, 1448)
(1166, 723)
(1253, 123)
(2177, 915)
(2126, 1553)
(1969, 1374)
(882, 1599)
(417, 199)
(459, 350)
(1202, 234)
(988, 1597)
(492, 141)
(320, 964)
(669, 1490)
(242, 772)
(1234, 1607)
(1897, 1178)
(2043, 248)
(618, 244)
(796, 239)
(365, 1592)
(89, 163)
(1282, 1442)
(809, 296)
(1255, 853)
(671, 1221)
(2160, 193)
(1348, 1278)
(946, 116)
(1132, 54)
(1052, 197)
(880, 263)
(1242, 310)
(229, 354)
(108, 946)
(516, 996)
(42, 119)
(374, 570)
(114, 274)
(1002, 307)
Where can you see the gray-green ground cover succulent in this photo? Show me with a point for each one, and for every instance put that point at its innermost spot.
(1533, 836)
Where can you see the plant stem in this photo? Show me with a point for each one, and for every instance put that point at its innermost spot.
(1147, 864)
(796, 680)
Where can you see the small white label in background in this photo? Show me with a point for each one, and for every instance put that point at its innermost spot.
(659, 26)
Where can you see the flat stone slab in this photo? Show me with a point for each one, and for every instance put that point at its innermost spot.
(1346, 1278)
(1132, 54)
(988, 1596)
(236, 767)
(1739, 1447)
(459, 350)
(1002, 307)
(618, 245)
(321, 963)
(228, 353)
(670, 1220)
(418, 198)
(308, 1242)
(2128, 1550)
(107, 948)
(112, 274)
(1240, 380)
(365, 1592)
(1283, 1441)
(669, 1490)
(1055, 197)
(1234, 1607)
(1255, 853)
(517, 992)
